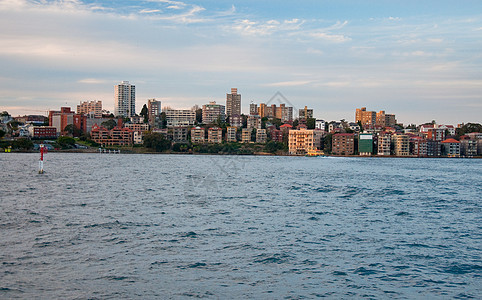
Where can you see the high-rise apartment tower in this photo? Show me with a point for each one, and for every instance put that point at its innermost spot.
(125, 99)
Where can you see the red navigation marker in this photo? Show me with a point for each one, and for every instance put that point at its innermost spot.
(43, 150)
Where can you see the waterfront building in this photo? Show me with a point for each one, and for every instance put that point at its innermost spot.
(215, 135)
(365, 144)
(261, 136)
(246, 135)
(276, 134)
(137, 137)
(180, 117)
(213, 113)
(343, 144)
(117, 136)
(385, 120)
(451, 148)
(231, 132)
(419, 147)
(401, 144)
(365, 117)
(198, 135)
(179, 134)
(90, 108)
(153, 111)
(124, 99)
(433, 148)
(233, 103)
(44, 132)
(468, 146)
(384, 144)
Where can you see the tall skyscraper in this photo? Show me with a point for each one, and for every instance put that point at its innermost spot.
(125, 99)
(233, 103)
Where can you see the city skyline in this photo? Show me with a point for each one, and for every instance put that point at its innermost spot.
(418, 61)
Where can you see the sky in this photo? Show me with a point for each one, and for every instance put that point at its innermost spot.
(420, 60)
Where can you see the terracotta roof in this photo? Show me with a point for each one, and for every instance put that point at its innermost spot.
(286, 125)
(450, 141)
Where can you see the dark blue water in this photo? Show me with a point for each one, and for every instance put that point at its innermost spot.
(100, 226)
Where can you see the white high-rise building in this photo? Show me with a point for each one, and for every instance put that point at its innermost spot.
(125, 99)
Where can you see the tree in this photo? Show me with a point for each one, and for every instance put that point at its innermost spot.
(273, 146)
(66, 142)
(468, 128)
(2, 133)
(199, 116)
(163, 120)
(276, 122)
(310, 123)
(73, 130)
(361, 125)
(109, 124)
(145, 113)
(157, 142)
(327, 143)
(23, 143)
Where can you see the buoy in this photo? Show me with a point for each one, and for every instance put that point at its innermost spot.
(41, 162)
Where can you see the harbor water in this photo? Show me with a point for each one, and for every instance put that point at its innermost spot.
(118, 226)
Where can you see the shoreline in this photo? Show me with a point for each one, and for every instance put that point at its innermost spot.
(130, 152)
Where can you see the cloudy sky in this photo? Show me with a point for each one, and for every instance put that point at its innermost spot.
(421, 60)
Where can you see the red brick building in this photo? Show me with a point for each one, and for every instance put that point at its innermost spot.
(117, 136)
(343, 144)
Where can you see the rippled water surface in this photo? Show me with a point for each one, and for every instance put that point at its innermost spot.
(99, 226)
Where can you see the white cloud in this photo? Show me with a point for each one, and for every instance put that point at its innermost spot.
(149, 11)
(336, 38)
(314, 51)
(289, 83)
(92, 81)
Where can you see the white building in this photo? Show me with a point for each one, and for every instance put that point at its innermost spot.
(320, 124)
(180, 117)
(125, 99)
